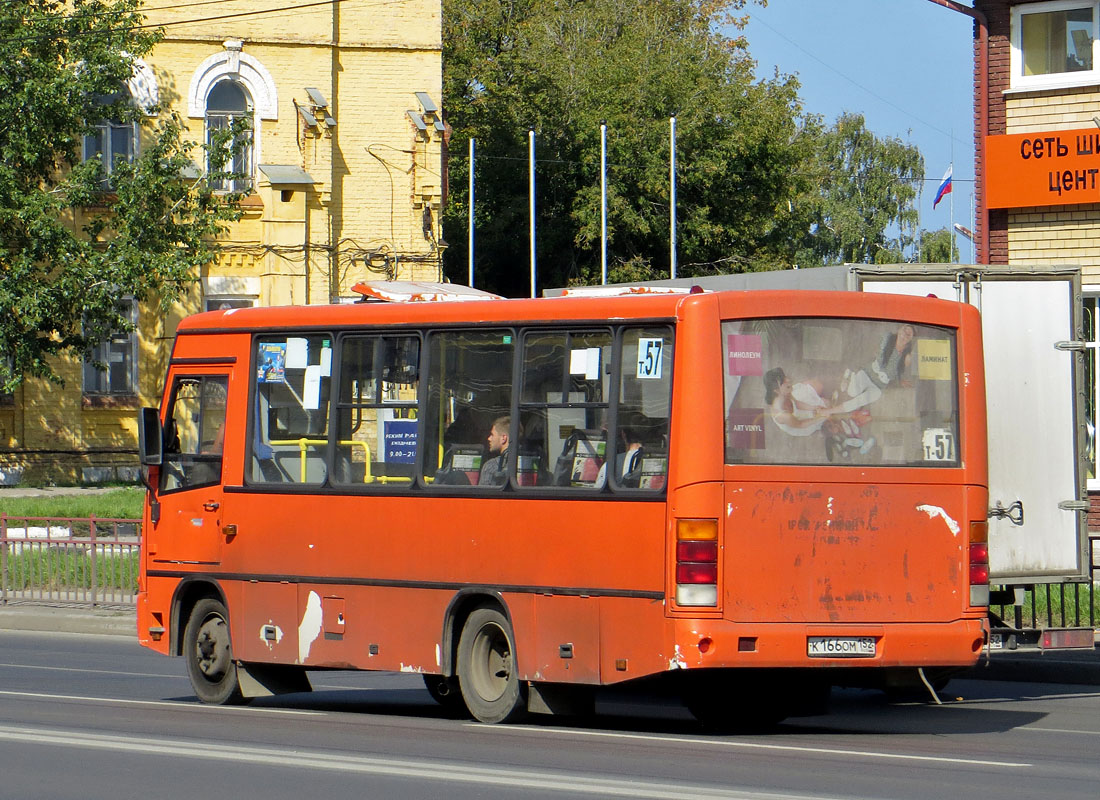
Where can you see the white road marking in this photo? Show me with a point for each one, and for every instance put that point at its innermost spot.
(388, 767)
(786, 748)
(162, 703)
(1028, 729)
(92, 671)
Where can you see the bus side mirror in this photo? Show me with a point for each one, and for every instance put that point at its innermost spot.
(150, 437)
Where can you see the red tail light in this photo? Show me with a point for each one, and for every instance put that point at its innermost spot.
(979, 563)
(696, 573)
(697, 562)
(697, 551)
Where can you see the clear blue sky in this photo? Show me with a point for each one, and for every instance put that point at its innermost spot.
(906, 65)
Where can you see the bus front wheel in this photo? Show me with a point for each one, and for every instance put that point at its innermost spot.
(209, 654)
(487, 673)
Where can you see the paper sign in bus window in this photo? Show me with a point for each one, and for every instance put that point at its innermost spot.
(585, 361)
(297, 352)
(651, 354)
(934, 360)
(399, 437)
(272, 363)
(311, 390)
(744, 354)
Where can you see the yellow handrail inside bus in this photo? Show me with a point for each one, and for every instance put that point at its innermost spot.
(305, 443)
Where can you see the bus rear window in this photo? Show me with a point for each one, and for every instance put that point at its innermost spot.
(839, 391)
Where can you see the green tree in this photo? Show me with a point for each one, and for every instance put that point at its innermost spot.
(561, 68)
(69, 251)
(865, 187)
(938, 247)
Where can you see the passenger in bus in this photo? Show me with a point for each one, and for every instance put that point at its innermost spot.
(494, 471)
(628, 461)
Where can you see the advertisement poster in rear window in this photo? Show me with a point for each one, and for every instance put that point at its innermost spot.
(840, 391)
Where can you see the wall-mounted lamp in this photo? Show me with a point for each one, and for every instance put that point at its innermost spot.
(320, 106)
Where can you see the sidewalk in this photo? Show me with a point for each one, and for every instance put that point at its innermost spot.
(68, 619)
(52, 491)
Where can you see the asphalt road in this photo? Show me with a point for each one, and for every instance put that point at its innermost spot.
(91, 716)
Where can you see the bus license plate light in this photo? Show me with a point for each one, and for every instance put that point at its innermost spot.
(840, 646)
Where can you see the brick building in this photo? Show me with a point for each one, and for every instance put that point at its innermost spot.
(346, 178)
(1037, 115)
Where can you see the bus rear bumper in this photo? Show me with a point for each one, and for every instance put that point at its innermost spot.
(702, 644)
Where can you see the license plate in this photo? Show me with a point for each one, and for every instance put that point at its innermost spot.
(840, 647)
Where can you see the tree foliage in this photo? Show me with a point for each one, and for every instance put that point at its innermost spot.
(561, 68)
(69, 251)
(862, 207)
(938, 247)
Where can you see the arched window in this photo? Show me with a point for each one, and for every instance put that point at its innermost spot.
(227, 102)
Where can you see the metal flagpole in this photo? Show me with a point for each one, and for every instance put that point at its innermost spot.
(531, 199)
(951, 210)
(603, 203)
(672, 196)
(470, 247)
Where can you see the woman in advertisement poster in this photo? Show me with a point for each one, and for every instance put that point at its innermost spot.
(799, 410)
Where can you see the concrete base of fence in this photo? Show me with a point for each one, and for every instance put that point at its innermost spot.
(114, 622)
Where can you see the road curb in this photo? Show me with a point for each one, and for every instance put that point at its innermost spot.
(46, 619)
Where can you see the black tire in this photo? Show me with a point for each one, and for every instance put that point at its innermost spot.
(491, 687)
(446, 692)
(209, 654)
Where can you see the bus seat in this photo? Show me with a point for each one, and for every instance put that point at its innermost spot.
(461, 465)
(581, 457)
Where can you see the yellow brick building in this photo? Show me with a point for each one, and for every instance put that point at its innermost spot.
(346, 183)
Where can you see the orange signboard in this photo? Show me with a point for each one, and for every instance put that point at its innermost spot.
(1047, 168)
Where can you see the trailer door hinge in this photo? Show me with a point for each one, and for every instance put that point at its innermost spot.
(1074, 345)
(1074, 505)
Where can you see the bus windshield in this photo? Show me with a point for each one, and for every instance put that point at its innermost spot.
(840, 391)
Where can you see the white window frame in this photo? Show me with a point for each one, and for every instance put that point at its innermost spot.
(102, 353)
(243, 162)
(1053, 80)
(234, 64)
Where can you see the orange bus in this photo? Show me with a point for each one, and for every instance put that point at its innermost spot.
(746, 497)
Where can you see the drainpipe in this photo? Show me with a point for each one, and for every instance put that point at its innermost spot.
(983, 117)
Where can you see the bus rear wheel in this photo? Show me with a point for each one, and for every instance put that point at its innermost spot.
(209, 654)
(487, 673)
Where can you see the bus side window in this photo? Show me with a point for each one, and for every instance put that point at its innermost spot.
(469, 384)
(194, 433)
(376, 406)
(564, 401)
(645, 391)
(290, 428)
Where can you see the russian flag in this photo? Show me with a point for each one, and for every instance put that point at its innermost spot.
(945, 187)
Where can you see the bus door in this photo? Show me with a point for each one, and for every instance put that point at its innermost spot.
(190, 487)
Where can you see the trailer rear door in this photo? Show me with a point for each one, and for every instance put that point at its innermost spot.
(1031, 388)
